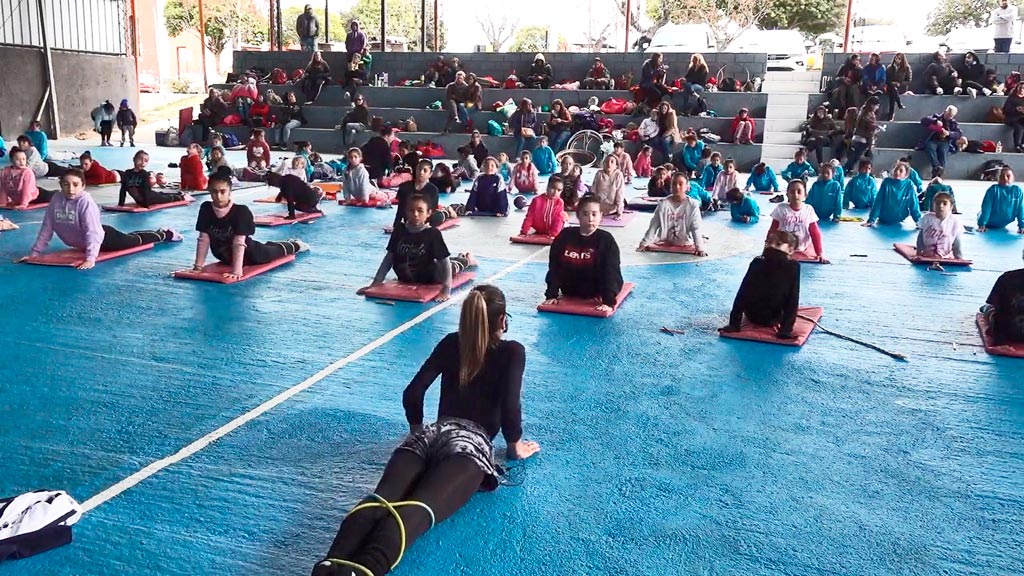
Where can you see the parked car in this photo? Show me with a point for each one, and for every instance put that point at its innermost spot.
(148, 82)
(980, 40)
(880, 38)
(683, 38)
(786, 49)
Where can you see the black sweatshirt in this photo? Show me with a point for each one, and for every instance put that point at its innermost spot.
(377, 157)
(1007, 298)
(584, 266)
(770, 292)
(491, 399)
(407, 190)
(297, 194)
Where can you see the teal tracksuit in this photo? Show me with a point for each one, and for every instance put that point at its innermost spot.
(798, 171)
(689, 156)
(931, 191)
(860, 191)
(746, 207)
(895, 201)
(707, 179)
(764, 182)
(544, 160)
(839, 175)
(915, 178)
(700, 194)
(1002, 205)
(826, 197)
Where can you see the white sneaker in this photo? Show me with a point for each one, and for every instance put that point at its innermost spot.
(175, 236)
(958, 91)
(938, 92)
(303, 247)
(986, 91)
(973, 92)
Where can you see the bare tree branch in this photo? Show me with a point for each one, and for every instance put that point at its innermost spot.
(497, 30)
(726, 18)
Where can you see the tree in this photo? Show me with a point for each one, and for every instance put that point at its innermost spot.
(403, 20)
(813, 17)
(727, 19)
(226, 21)
(950, 14)
(497, 30)
(530, 39)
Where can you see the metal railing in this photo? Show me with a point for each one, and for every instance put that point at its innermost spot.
(92, 26)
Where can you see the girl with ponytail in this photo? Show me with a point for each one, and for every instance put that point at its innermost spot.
(439, 466)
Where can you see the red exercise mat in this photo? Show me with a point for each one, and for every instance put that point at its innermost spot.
(282, 219)
(1015, 350)
(395, 290)
(586, 306)
(687, 249)
(536, 239)
(910, 253)
(73, 256)
(136, 209)
(215, 272)
(26, 208)
(802, 329)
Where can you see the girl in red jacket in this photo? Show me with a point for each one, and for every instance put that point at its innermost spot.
(743, 127)
(193, 173)
(96, 174)
(546, 214)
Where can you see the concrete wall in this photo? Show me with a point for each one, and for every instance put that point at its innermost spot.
(565, 65)
(1003, 64)
(83, 82)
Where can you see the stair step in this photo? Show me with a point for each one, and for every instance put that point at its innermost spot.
(791, 86)
(783, 124)
(787, 112)
(779, 150)
(799, 76)
(789, 138)
(777, 99)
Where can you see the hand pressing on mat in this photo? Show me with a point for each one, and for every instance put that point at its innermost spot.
(551, 301)
(823, 260)
(642, 247)
(604, 308)
(729, 329)
(868, 224)
(522, 449)
(85, 265)
(363, 290)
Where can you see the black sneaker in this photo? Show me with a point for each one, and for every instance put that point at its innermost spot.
(777, 199)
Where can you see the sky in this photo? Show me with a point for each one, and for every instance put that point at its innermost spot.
(573, 18)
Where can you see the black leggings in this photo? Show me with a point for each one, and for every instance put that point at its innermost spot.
(894, 97)
(55, 170)
(114, 240)
(370, 537)
(44, 196)
(1018, 131)
(262, 253)
(818, 145)
(299, 195)
(146, 197)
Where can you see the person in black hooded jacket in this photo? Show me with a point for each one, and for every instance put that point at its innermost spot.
(972, 75)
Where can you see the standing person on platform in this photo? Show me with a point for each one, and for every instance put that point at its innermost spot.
(355, 40)
(1003, 19)
(308, 28)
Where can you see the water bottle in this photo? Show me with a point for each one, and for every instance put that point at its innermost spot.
(999, 147)
(384, 79)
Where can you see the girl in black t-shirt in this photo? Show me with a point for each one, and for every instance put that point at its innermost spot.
(584, 260)
(138, 184)
(420, 185)
(439, 466)
(225, 229)
(299, 195)
(418, 254)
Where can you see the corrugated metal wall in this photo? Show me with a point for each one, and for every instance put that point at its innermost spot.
(93, 26)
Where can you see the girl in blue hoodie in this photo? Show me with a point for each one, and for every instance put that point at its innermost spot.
(799, 168)
(1003, 203)
(826, 196)
(742, 207)
(762, 178)
(710, 174)
(896, 199)
(861, 189)
(488, 196)
(544, 158)
(689, 156)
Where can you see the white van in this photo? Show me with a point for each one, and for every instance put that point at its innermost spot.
(683, 38)
(786, 49)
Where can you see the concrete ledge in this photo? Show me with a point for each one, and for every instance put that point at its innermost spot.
(918, 106)
(1003, 64)
(960, 166)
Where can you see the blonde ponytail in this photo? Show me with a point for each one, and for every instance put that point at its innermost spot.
(474, 336)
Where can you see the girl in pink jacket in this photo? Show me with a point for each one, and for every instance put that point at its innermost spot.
(18, 183)
(524, 174)
(546, 214)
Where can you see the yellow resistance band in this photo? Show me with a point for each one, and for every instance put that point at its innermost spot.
(392, 508)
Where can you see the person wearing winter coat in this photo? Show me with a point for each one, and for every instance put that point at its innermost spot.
(126, 123)
(540, 74)
(307, 27)
(943, 130)
(104, 116)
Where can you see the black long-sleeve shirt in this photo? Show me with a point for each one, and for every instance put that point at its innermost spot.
(297, 194)
(1007, 298)
(584, 266)
(491, 398)
(407, 190)
(377, 157)
(770, 292)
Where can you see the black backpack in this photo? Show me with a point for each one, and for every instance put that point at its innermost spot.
(989, 171)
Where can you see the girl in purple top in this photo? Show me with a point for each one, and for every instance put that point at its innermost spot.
(75, 217)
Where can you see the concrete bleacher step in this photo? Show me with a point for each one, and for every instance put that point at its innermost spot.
(779, 150)
(779, 99)
(788, 113)
(798, 76)
(790, 86)
(777, 164)
(788, 138)
(920, 105)
(783, 124)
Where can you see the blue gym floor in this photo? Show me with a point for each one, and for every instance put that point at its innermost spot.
(661, 454)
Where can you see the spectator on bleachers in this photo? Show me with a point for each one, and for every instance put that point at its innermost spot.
(355, 120)
(259, 113)
(212, 112)
(940, 78)
(1002, 20)
(652, 78)
(316, 75)
(540, 74)
(818, 132)
(649, 130)
(476, 94)
(972, 75)
(525, 124)
(243, 94)
(456, 95)
(668, 128)
(559, 125)
(1013, 114)
(477, 148)
(355, 40)
(874, 82)
(862, 140)
(842, 144)
(443, 179)
(355, 75)
(366, 62)
(846, 93)
(897, 76)
(991, 82)
(943, 132)
(742, 130)
(377, 155)
(436, 73)
(307, 27)
(693, 82)
(598, 78)
(454, 67)
(290, 118)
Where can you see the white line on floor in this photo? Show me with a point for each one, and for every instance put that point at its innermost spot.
(265, 407)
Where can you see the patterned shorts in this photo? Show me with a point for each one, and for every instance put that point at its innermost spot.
(455, 437)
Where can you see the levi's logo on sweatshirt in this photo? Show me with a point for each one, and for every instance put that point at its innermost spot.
(577, 257)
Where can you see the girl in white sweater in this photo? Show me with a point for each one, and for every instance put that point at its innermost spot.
(726, 180)
(676, 220)
(356, 184)
(609, 187)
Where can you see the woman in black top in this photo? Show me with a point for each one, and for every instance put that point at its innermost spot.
(694, 80)
(290, 118)
(770, 292)
(897, 76)
(420, 185)
(299, 195)
(439, 466)
(356, 120)
(584, 260)
(317, 74)
(225, 229)
(442, 178)
(1013, 115)
(847, 84)
(477, 148)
